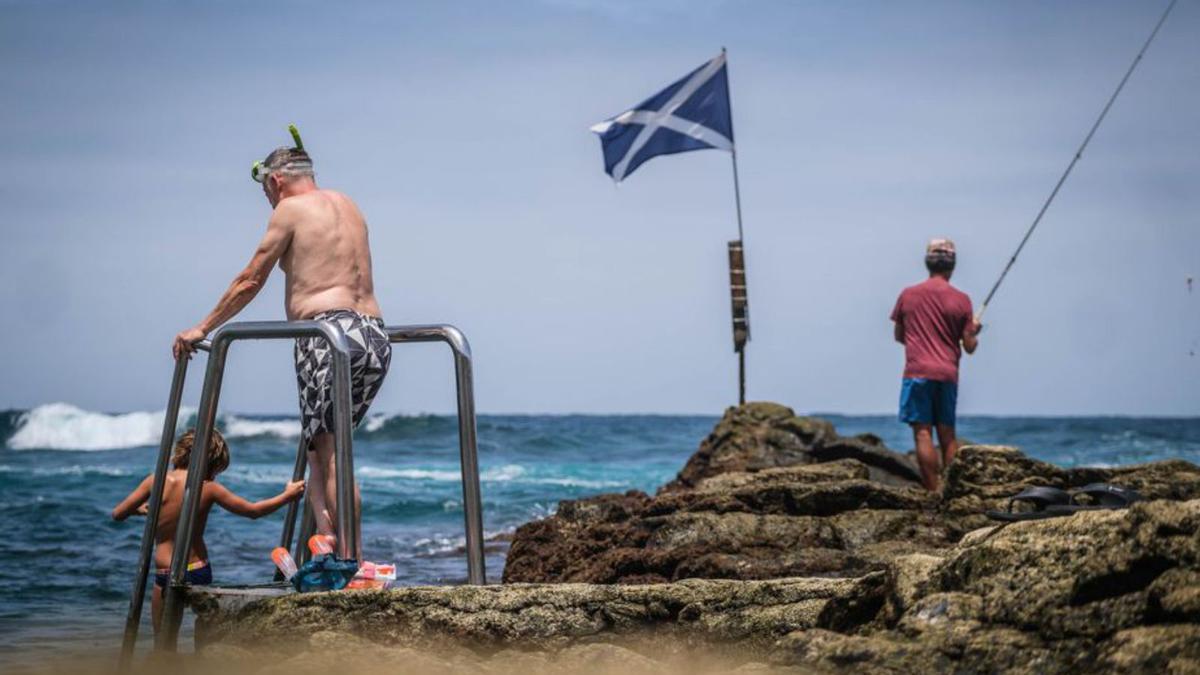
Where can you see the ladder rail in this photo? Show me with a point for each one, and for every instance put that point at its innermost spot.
(297, 507)
(137, 598)
(168, 634)
(468, 441)
(206, 417)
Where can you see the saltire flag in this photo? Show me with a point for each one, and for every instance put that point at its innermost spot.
(691, 114)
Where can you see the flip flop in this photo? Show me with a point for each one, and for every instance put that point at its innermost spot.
(1101, 496)
(1044, 500)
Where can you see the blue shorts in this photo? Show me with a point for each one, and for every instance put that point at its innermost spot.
(925, 401)
(198, 574)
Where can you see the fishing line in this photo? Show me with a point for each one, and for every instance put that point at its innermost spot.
(1078, 155)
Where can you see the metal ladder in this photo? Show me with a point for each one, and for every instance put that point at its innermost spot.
(347, 543)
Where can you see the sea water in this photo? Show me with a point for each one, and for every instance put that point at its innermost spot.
(66, 568)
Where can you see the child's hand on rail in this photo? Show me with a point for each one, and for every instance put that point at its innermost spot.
(294, 490)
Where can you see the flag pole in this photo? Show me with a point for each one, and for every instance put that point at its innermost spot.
(737, 269)
(737, 191)
(740, 345)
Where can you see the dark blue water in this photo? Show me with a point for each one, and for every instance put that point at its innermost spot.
(66, 568)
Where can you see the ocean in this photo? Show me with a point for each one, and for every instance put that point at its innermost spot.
(66, 568)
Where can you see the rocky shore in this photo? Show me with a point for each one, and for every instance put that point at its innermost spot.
(784, 546)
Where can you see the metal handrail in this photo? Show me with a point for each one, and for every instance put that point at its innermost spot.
(467, 433)
(206, 416)
(205, 419)
(468, 447)
(133, 618)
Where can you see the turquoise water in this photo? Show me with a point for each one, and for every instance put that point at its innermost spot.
(66, 568)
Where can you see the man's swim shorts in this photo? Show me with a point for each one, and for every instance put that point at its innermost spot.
(925, 401)
(370, 356)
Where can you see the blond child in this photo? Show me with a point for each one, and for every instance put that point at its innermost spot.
(199, 571)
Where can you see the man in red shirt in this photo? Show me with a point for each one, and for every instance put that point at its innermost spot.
(935, 323)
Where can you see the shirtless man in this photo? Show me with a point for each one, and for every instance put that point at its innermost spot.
(319, 239)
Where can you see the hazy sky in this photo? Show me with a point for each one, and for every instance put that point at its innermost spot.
(127, 131)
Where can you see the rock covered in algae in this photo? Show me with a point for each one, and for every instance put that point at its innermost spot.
(749, 614)
(768, 495)
(984, 477)
(1101, 591)
(763, 435)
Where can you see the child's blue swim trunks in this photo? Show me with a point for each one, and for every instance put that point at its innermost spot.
(198, 574)
(925, 401)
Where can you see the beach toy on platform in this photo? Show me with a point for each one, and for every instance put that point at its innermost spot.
(285, 562)
(382, 571)
(321, 544)
(373, 575)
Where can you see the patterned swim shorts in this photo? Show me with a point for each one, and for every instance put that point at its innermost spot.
(370, 356)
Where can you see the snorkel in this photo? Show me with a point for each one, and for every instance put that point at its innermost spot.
(259, 171)
(296, 136)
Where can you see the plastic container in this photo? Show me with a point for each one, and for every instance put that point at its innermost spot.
(385, 571)
(320, 544)
(284, 561)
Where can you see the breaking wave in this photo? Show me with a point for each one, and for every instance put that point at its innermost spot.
(244, 427)
(63, 426)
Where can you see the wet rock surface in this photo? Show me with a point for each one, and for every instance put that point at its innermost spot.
(791, 548)
(749, 615)
(768, 494)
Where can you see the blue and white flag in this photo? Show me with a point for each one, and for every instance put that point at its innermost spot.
(691, 114)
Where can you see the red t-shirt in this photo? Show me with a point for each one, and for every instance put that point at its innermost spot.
(932, 317)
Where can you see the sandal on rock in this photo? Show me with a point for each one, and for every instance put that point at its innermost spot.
(1098, 497)
(1043, 499)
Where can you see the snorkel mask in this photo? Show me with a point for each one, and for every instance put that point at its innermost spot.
(259, 171)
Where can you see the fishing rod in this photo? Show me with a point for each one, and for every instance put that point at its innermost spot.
(1074, 160)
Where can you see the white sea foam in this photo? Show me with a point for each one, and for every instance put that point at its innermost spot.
(62, 426)
(410, 474)
(575, 482)
(241, 427)
(504, 473)
(436, 546)
(257, 474)
(375, 422)
(499, 474)
(76, 470)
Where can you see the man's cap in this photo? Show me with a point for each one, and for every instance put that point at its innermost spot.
(939, 245)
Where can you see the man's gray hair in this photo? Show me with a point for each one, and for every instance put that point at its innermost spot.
(289, 162)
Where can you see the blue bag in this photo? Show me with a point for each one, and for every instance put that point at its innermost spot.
(324, 573)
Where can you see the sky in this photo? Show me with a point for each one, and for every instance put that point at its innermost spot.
(461, 129)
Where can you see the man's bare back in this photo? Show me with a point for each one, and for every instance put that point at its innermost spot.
(319, 239)
(328, 260)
